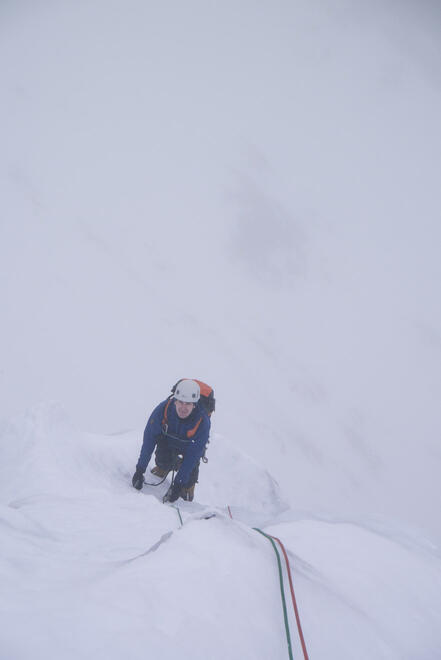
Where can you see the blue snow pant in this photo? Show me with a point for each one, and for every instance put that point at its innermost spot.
(168, 458)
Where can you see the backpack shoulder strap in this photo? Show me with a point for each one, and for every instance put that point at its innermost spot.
(164, 416)
(193, 431)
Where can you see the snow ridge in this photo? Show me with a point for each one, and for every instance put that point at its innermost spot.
(93, 566)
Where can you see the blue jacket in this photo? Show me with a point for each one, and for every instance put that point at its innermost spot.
(191, 448)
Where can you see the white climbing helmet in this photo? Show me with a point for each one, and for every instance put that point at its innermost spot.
(187, 391)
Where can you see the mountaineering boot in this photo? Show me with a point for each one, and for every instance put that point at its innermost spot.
(188, 493)
(159, 472)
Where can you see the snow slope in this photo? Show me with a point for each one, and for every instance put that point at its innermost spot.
(90, 567)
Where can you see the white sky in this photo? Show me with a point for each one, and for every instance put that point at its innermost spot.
(243, 192)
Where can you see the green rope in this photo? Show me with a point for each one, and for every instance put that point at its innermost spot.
(282, 591)
(179, 514)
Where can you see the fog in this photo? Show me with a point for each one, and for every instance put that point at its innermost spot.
(243, 192)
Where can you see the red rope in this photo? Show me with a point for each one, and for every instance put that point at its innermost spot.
(293, 596)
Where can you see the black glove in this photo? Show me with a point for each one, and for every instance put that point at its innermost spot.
(138, 480)
(172, 494)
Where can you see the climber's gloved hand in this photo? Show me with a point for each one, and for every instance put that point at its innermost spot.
(138, 480)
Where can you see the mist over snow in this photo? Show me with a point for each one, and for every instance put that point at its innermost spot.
(247, 193)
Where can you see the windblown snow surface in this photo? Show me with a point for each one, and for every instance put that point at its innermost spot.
(92, 568)
(246, 192)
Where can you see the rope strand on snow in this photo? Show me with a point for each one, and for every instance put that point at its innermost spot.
(293, 598)
(291, 586)
(272, 540)
(175, 506)
(147, 483)
(282, 590)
